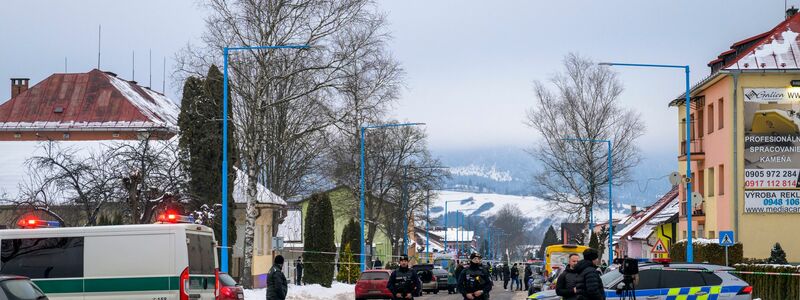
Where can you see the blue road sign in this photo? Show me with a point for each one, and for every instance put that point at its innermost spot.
(726, 238)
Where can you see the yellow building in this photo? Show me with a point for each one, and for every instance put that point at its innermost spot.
(745, 144)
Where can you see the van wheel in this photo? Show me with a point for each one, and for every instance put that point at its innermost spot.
(435, 292)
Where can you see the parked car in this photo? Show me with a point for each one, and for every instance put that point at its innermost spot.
(681, 280)
(430, 283)
(442, 277)
(19, 288)
(229, 289)
(372, 284)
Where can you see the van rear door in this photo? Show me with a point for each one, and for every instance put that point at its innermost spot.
(202, 265)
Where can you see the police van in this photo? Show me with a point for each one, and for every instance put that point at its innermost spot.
(163, 261)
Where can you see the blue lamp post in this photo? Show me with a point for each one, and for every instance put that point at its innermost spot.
(363, 131)
(225, 52)
(689, 247)
(610, 198)
(445, 222)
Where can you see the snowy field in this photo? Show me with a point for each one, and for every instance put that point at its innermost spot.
(337, 291)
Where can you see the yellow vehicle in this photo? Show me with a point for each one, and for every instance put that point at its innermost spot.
(557, 256)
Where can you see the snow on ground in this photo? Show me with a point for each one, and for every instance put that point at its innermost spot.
(489, 204)
(337, 291)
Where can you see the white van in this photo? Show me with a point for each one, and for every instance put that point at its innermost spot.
(147, 262)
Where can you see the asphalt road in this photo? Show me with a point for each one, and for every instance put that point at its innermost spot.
(496, 294)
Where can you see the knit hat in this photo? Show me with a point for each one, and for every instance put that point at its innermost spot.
(279, 260)
(474, 255)
(590, 254)
(404, 257)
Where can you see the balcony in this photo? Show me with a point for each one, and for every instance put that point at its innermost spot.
(697, 150)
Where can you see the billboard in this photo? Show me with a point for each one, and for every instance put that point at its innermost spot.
(772, 150)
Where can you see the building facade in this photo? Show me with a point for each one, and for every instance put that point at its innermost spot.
(745, 144)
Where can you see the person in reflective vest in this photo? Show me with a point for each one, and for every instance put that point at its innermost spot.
(404, 283)
(474, 282)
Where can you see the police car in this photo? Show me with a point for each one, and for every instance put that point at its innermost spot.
(171, 260)
(674, 282)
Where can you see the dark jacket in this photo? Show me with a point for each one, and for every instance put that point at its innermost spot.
(506, 272)
(566, 284)
(528, 272)
(299, 265)
(473, 279)
(404, 281)
(514, 272)
(590, 286)
(276, 284)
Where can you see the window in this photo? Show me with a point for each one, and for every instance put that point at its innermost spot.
(711, 279)
(678, 279)
(711, 185)
(115, 134)
(43, 257)
(721, 112)
(711, 234)
(17, 135)
(66, 135)
(721, 180)
(201, 254)
(648, 279)
(711, 118)
(698, 124)
(701, 188)
(374, 276)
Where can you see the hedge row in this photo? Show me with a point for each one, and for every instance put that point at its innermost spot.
(710, 253)
(771, 286)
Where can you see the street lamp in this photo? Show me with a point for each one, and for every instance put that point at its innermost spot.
(445, 222)
(363, 130)
(610, 198)
(460, 238)
(689, 247)
(225, 51)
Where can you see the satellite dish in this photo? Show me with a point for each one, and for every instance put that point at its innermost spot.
(675, 178)
(696, 198)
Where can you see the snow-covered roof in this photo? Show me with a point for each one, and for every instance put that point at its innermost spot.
(292, 227)
(640, 224)
(435, 243)
(265, 196)
(158, 107)
(455, 234)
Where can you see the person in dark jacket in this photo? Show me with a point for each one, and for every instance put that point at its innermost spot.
(528, 275)
(299, 271)
(515, 276)
(567, 282)
(404, 283)
(475, 282)
(506, 275)
(276, 281)
(590, 285)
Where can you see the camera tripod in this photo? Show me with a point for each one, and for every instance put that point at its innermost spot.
(628, 292)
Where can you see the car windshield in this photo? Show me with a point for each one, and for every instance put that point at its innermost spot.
(20, 289)
(374, 276)
(609, 278)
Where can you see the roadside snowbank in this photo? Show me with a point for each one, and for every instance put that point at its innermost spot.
(337, 291)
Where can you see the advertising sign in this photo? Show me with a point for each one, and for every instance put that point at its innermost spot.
(772, 150)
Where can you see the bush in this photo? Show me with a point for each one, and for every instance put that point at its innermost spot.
(771, 286)
(707, 252)
(349, 269)
(777, 255)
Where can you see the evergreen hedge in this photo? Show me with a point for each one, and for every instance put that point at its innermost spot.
(319, 241)
(707, 252)
(771, 286)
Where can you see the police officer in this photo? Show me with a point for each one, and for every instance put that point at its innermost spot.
(404, 282)
(474, 282)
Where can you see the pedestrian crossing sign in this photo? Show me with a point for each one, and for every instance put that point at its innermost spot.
(726, 238)
(659, 247)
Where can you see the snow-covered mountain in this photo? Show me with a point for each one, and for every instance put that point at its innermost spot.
(510, 171)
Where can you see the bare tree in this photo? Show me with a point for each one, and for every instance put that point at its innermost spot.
(513, 224)
(582, 103)
(282, 99)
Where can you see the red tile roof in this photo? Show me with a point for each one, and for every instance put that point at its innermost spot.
(94, 99)
(776, 49)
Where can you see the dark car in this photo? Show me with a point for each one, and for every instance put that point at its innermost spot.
(442, 277)
(372, 284)
(229, 289)
(428, 278)
(19, 288)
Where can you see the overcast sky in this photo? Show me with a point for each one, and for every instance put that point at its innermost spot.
(470, 64)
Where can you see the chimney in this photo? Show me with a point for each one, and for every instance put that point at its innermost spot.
(791, 12)
(633, 209)
(18, 85)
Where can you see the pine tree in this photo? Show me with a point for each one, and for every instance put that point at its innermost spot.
(777, 255)
(319, 241)
(550, 238)
(593, 243)
(351, 234)
(201, 147)
(349, 269)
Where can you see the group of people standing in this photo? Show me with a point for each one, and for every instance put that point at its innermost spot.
(581, 278)
(512, 274)
(474, 280)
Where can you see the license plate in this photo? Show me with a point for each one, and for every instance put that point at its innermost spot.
(375, 292)
(240, 296)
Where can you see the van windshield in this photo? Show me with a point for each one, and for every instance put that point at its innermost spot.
(201, 254)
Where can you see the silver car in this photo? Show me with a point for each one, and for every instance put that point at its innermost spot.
(674, 281)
